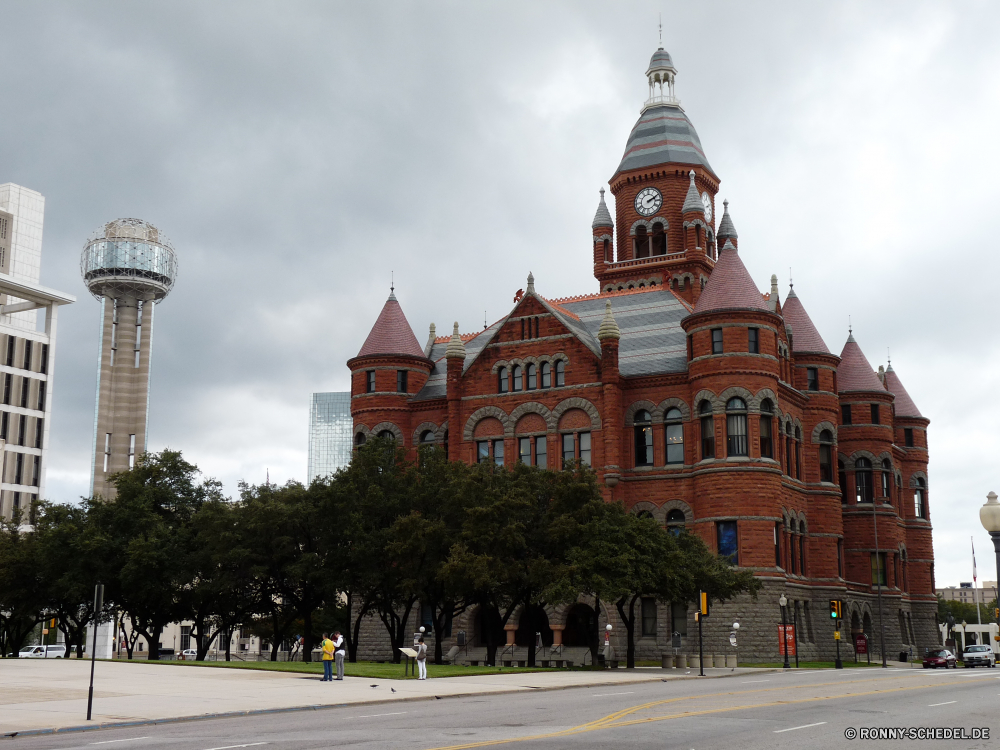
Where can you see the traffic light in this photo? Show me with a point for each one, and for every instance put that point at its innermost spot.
(836, 609)
(53, 623)
(996, 613)
(705, 605)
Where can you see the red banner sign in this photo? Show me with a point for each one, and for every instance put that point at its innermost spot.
(861, 643)
(786, 640)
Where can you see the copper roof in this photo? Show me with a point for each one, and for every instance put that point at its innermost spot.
(854, 372)
(904, 404)
(730, 286)
(391, 333)
(805, 337)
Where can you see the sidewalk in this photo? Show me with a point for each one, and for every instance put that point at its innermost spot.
(51, 694)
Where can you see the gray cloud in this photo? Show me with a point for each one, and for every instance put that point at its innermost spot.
(296, 153)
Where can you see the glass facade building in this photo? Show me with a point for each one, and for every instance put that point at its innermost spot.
(331, 431)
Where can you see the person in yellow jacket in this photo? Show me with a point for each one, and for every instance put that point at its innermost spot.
(328, 648)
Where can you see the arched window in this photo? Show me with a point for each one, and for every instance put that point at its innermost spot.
(560, 373)
(360, 439)
(887, 480)
(793, 549)
(427, 437)
(643, 431)
(644, 514)
(707, 430)
(641, 242)
(842, 478)
(607, 252)
(736, 427)
(826, 456)
(546, 375)
(532, 378)
(518, 384)
(798, 455)
(387, 435)
(863, 480)
(788, 449)
(920, 500)
(802, 547)
(659, 239)
(675, 436)
(503, 379)
(766, 422)
(676, 521)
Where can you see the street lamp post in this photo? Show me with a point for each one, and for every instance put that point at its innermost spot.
(782, 601)
(989, 514)
(878, 580)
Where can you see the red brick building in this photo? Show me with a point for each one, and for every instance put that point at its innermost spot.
(697, 399)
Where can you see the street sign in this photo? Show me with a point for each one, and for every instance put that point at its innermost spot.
(786, 640)
(732, 638)
(836, 635)
(675, 640)
(861, 643)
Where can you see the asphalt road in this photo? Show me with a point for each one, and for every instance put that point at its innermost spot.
(744, 712)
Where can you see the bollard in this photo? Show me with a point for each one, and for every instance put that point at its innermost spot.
(666, 661)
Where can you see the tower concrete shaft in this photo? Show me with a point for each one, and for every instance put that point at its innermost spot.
(123, 389)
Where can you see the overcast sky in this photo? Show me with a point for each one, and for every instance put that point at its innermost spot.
(297, 153)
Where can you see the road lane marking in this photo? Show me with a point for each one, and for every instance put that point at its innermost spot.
(605, 695)
(230, 747)
(107, 742)
(946, 703)
(747, 682)
(804, 726)
(369, 716)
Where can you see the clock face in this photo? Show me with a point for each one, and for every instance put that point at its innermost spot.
(648, 201)
(706, 201)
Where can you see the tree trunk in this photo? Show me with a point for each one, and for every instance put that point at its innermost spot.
(595, 642)
(629, 622)
(307, 637)
(229, 640)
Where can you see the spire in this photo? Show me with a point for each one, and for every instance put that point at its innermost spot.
(855, 373)
(730, 286)
(603, 216)
(531, 283)
(430, 341)
(726, 229)
(456, 348)
(772, 300)
(391, 333)
(692, 202)
(904, 404)
(609, 326)
(807, 338)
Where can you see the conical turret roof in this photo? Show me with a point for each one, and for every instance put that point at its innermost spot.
(805, 337)
(855, 373)
(603, 216)
(904, 404)
(692, 201)
(727, 230)
(730, 286)
(391, 333)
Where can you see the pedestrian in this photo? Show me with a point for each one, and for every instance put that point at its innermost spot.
(340, 651)
(328, 649)
(422, 658)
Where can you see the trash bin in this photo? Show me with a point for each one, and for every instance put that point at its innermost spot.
(667, 661)
(904, 656)
(682, 661)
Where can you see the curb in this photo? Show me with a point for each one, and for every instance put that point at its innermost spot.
(325, 706)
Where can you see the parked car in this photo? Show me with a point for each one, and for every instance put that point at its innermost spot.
(189, 654)
(978, 656)
(940, 657)
(55, 651)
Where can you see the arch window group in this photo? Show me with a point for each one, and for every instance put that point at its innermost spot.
(531, 377)
(650, 243)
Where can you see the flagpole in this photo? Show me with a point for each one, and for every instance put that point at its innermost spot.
(975, 587)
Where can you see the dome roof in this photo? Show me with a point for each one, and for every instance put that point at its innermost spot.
(730, 286)
(660, 61)
(391, 333)
(663, 135)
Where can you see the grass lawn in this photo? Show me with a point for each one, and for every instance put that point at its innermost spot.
(366, 669)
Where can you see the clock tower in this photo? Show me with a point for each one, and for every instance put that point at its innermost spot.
(664, 192)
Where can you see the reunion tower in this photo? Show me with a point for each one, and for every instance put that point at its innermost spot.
(129, 266)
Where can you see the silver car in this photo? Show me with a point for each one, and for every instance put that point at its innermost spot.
(978, 656)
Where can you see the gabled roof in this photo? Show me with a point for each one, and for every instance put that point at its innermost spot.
(730, 286)
(904, 404)
(663, 135)
(854, 373)
(391, 333)
(805, 337)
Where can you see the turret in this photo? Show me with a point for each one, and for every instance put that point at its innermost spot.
(604, 229)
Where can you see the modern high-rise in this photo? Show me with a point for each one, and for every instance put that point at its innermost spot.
(129, 266)
(331, 430)
(27, 349)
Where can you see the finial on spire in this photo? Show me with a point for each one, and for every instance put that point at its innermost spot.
(392, 282)
(661, 31)
(791, 284)
(531, 283)
(431, 337)
(456, 347)
(484, 321)
(609, 326)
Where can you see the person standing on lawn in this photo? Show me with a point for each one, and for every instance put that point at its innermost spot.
(328, 649)
(422, 658)
(340, 651)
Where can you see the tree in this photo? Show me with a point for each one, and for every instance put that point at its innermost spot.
(21, 591)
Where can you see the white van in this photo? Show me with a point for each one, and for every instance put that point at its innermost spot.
(56, 651)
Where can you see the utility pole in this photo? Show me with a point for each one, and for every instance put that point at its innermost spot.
(98, 606)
